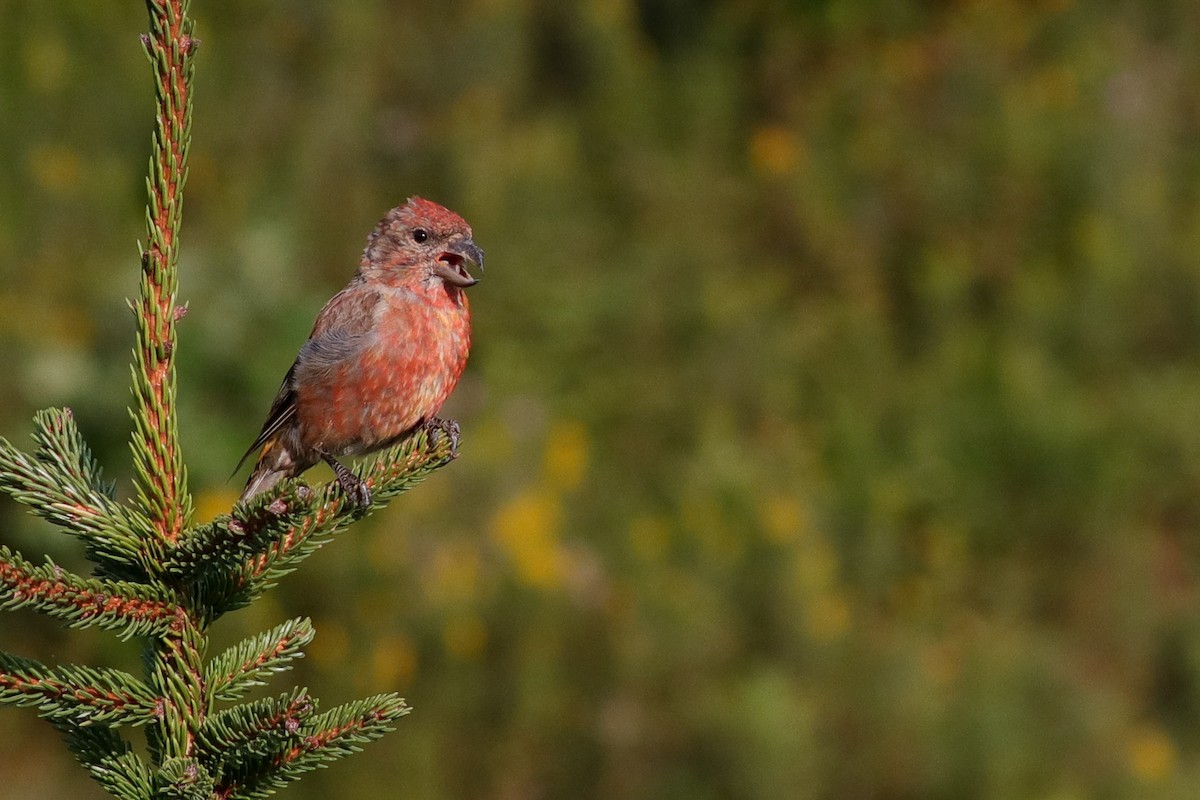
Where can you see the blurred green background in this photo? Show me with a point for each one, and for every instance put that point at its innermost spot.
(833, 424)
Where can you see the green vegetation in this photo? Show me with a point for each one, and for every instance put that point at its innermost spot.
(832, 427)
(160, 578)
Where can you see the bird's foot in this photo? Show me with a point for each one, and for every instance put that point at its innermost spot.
(355, 488)
(437, 428)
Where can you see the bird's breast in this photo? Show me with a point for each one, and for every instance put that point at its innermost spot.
(415, 354)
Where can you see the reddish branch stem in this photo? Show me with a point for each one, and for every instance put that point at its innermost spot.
(25, 585)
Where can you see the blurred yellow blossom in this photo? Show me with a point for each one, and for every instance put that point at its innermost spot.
(527, 528)
(455, 572)
(774, 150)
(827, 616)
(393, 661)
(1151, 753)
(55, 168)
(213, 501)
(783, 518)
(566, 456)
(464, 637)
(46, 63)
(906, 59)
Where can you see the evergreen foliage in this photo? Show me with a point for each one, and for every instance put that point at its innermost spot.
(164, 580)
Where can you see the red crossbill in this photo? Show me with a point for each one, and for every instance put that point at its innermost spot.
(383, 355)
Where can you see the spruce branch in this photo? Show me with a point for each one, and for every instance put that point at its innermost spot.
(326, 738)
(162, 485)
(278, 550)
(228, 541)
(92, 743)
(80, 695)
(387, 475)
(62, 483)
(176, 670)
(124, 776)
(248, 664)
(403, 466)
(251, 730)
(130, 609)
(110, 760)
(183, 779)
(61, 444)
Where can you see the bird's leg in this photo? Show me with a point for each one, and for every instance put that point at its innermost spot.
(355, 488)
(436, 428)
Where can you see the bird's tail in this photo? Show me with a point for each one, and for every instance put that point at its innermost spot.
(274, 464)
(262, 478)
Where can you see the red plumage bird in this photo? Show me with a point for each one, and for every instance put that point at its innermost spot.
(383, 355)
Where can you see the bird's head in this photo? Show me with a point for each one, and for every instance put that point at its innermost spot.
(423, 243)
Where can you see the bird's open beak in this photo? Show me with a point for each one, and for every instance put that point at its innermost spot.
(451, 266)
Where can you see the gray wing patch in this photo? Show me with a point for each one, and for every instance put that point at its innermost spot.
(324, 353)
(341, 331)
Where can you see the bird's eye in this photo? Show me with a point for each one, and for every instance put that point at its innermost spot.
(420, 235)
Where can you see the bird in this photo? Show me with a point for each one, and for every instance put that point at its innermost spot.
(383, 355)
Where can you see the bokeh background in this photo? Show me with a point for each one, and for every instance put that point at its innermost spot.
(833, 426)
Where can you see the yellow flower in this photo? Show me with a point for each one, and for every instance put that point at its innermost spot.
(527, 528)
(783, 518)
(212, 502)
(774, 151)
(55, 168)
(1151, 753)
(906, 59)
(455, 572)
(565, 460)
(827, 616)
(393, 661)
(47, 62)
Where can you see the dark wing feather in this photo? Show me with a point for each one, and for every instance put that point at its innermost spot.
(282, 410)
(338, 333)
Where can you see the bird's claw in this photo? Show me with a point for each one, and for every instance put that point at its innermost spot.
(356, 488)
(436, 428)
(358, 492)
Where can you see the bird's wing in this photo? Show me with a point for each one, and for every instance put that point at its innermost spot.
(339, 332)
(282, 410)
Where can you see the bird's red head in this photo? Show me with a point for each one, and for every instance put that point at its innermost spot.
(420, 244)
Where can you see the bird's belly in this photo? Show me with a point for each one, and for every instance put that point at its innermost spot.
(371, 400)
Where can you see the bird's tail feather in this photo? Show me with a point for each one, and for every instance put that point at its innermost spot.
(263, 478)
(275, 463)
